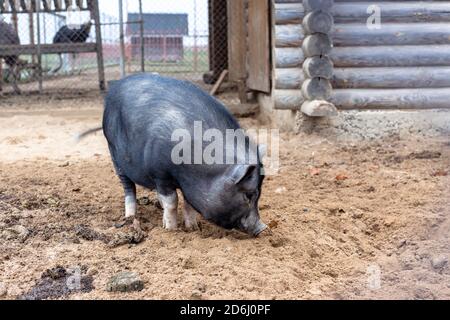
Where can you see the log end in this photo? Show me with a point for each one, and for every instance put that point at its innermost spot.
(319, 108)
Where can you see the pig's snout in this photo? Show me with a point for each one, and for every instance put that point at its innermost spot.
(260, 227)
(253, 225)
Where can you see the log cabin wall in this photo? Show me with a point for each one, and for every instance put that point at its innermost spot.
(302, 67)
(288, 57)
(403, 64)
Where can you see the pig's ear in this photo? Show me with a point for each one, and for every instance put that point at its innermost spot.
(262, 151)
(240, 173)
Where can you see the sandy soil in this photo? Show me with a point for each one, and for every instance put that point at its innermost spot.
(341, 214)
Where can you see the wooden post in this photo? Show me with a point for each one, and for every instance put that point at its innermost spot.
(218, 44)
(288, 35)
(122, 40)
(237, 46)
(31, 31)
(38, 47)
(1, 76)
(95, 13)
(195, 38)
(15, 21)
(317, 68)
(164, 49)
(141, 18)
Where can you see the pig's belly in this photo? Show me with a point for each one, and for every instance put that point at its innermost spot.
(136, 173)
(141, 179)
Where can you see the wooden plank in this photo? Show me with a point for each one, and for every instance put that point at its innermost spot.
(290, 78)
(95, 13)
(46, 5)
(48, 48)
(259, 45)
(289, 35)
(289, 13)
(391, 56)
(404, 11)
(219, 82)
(392, 77)
(391, 34)
(58, 4)
(237, 46)
(288, 99)
(23, 6)
(430, 98)
(288, 57)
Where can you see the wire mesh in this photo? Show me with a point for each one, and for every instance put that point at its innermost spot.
(184, 39)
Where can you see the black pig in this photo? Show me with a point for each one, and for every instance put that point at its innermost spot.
(141, 113)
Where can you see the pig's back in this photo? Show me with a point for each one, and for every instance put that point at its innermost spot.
(163, 99)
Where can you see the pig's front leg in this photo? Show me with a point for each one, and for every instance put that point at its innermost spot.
(169, 202)
(190, 217)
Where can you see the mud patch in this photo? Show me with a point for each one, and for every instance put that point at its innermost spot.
(127, 238)
(84, 232)
(58, 282)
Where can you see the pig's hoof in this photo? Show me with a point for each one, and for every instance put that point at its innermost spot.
(125, 222)
(191, 226)
(170, 225)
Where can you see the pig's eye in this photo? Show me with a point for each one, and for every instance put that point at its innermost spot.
(249, 196)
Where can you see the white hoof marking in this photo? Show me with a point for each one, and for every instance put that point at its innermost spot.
(190, 217)
(169, 204)
(130, 206)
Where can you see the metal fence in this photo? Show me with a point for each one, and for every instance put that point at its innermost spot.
(178, 38)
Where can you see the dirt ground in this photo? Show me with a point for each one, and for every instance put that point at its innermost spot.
(350, 219)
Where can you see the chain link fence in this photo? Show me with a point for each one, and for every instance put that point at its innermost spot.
(184, 39)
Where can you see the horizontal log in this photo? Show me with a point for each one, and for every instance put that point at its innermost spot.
(289, 78)
(289, 13)
(392, 77)
(316, 89)
(318, 21)
(431, 98)
(317, 44)
(289, 35)
(288, 57)
(391, 56)
(288, 99)
(413, 11)
(391, 34)
(318, 67)
(356, 12)
(288, 1)
(313, 5)
(48, 48)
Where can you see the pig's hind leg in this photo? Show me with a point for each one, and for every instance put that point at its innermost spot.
(190, 217)
(129, 188)
(169, 202)
(130, 196)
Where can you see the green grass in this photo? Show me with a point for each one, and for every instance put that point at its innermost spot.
(185, 66)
